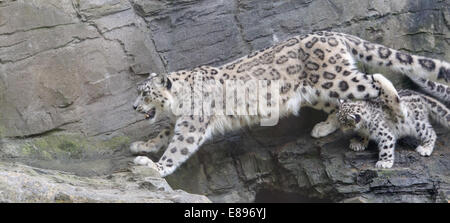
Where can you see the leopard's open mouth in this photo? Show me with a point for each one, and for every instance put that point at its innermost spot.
(150, 114)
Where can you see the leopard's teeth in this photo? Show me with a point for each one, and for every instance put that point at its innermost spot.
(147, 116)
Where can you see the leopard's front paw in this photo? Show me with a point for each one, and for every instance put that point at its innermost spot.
(145, 161)
(323, 129)
(385, 164)
(142, 160)
(424, 151)
(144, 147)
(136, 147)
(357, 145)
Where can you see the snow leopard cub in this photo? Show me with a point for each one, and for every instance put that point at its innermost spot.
(371, 120)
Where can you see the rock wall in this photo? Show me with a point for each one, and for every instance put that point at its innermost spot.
(68, 70)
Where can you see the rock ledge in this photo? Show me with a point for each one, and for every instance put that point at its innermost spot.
(20, 183)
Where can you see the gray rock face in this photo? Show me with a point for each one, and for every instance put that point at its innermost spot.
(68, 71)
(19, 183)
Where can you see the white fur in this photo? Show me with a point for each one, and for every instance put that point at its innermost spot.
(294, 104)
(424, 151)
(384, 164)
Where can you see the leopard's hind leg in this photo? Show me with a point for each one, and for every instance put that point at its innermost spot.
(427, 137)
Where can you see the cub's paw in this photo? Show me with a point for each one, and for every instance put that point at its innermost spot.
(144, 147)
(136, 147)
(357, 145)
(145, 161)
(384, 164)
(323, 129)
(424, 151)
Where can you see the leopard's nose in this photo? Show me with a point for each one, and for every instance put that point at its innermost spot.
(134, 107)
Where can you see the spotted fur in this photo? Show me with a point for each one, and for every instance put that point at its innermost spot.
(373, 121)
(437, 90)
(315, 70)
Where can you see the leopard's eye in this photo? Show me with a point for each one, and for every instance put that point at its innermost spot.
(145, 93)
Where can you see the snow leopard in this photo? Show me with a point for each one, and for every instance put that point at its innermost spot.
(373, 121)
(437, 90)
(313, 70)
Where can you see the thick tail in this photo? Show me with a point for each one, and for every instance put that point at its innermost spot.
(390, 95)
(380, 56)
(437, 90)
(438, 111)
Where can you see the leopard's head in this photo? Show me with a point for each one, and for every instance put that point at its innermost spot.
(153, 96)
(349, 115)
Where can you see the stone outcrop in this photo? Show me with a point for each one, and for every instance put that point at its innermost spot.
(19, 183)
(68, 70)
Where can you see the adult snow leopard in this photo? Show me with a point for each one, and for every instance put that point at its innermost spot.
(309, 70)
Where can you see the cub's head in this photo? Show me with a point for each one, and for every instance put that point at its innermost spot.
(153, 95)
(349, 115)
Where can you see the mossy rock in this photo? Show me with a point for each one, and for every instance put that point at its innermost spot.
(68, 146)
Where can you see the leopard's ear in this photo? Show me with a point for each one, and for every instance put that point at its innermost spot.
(159, 79)
(168, 83)
(341, 101)
(152, 75)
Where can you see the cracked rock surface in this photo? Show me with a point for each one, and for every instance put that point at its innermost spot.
(20, 183)
(68, 70)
